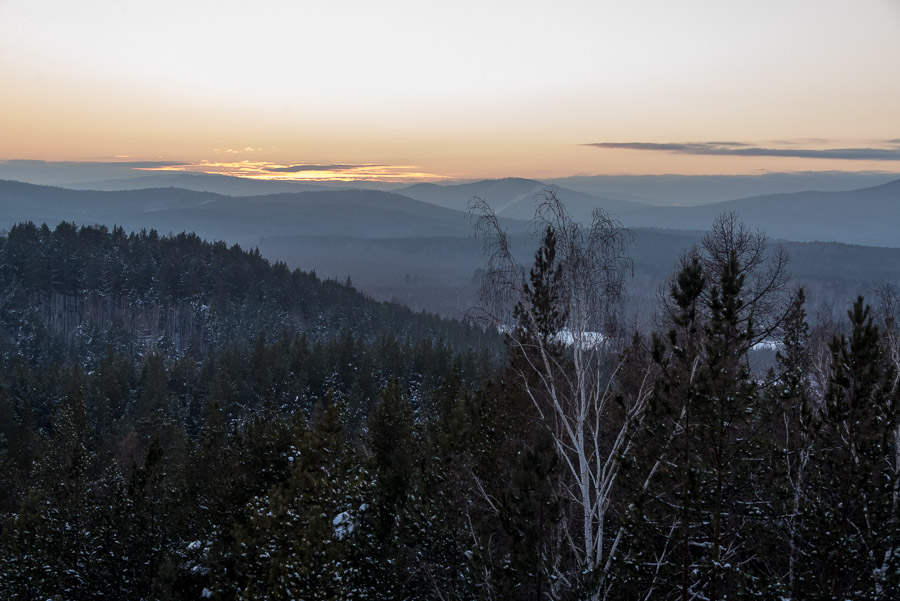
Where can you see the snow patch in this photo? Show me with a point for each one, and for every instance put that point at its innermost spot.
(343, 525)
(768, 345)
(567, 337)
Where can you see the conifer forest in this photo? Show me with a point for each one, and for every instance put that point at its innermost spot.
(183, 419)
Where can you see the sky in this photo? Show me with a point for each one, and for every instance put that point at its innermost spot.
(400, 90)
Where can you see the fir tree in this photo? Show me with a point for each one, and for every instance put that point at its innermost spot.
(298, 541)
(388, 536)
(695, 525)
(793, 438)
(852, 519)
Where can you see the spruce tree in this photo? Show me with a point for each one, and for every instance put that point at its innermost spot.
(299, 541)
(388, 537)
(697, 523)
(657, 556)
(792, 437)
(852, 519)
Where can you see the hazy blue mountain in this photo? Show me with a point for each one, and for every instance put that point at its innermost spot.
(53, 173)
(515, 197)
(442, 274)
(221, 184)
(689, 190)
(869, 216)
(362, 213)
(20, 201)
(199, 182)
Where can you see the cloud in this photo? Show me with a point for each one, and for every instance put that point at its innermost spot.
(803, 141)
(746, 150)
(309, 172)
(301, 168)
(87, 164)
(71, 172)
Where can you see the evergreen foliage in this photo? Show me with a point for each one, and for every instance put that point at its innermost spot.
(851, 513)
(183, 420)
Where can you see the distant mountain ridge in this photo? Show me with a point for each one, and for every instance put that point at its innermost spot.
(516, 198)
(868, 216)
(691, 190)
(228, 185)
(362, 213)
(198, 182)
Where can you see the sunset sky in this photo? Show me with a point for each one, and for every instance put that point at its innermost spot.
(413, 90)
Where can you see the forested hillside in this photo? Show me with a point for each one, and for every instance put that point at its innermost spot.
(160, 325)
(140, 375)
(181, 419)
(146, 291)
(422, 255)
(442, 274)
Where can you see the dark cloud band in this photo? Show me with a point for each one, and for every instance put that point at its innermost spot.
(745, 150)
(122, 164)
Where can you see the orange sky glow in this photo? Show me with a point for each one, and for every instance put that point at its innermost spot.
(264, 170)
(409, 91)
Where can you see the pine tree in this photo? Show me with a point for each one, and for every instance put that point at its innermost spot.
(793, 438)
(852, 519)
(299, 540)
(697, 523)
(64, 540)
(657, 558)
(387, 533)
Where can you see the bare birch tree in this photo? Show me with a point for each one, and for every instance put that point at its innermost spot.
(564, 335)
